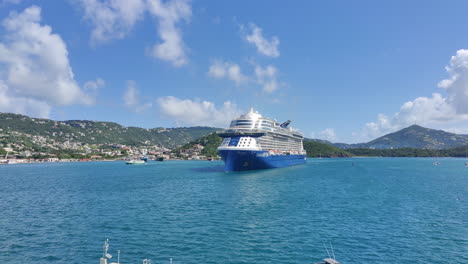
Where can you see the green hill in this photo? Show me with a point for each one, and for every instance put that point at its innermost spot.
(23, 128)
(419, 137)
(210, 145)
(413, 137)
(319, 149)
(410, 152)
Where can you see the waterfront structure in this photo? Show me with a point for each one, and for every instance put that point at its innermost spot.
(255, 142)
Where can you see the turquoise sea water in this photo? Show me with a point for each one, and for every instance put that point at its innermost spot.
(372, 210)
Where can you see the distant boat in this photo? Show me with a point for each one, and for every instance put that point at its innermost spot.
(135, 162)
(145, 158)
(466, 156)
(331, 257)
(328, 261)
(160, 159)
(436, 163)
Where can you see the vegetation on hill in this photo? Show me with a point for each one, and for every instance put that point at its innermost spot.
(94, 132)
(2, 153)
(413, 137)
(410, 152)
(210, 145)
(419, 137)
(319, 149)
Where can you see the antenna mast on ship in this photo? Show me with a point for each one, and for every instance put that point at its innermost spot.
(105, 248)
(105, 255)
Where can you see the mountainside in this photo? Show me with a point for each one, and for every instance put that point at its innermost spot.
(413, 137)
(209, 143)
(419, 137)
(95, 132)
(349, 146)
(319, 149)
(459, 152)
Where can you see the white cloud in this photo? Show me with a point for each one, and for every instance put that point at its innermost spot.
(35, 72)
(457, 85)
(266, 76)
(112, 19)
(435, 111)
(22, 105)
(131, 98)
(169, 14)
(94, 85)
(264, 46)
(197, 112)
(328, 134)
(448, 113)
(228, 70)
(131, 94)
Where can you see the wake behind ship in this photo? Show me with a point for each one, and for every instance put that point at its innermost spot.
(254, 142)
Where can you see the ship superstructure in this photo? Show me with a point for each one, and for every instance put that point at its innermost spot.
(256, 142)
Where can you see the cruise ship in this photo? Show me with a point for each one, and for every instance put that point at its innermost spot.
(255, 142)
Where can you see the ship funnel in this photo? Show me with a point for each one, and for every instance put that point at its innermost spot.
(285, 124)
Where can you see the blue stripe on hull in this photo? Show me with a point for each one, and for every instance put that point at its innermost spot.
(240, 160)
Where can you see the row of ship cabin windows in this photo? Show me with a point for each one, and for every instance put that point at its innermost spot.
(249, 124)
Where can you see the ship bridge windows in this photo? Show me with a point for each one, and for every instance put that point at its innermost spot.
(225, 142)
(266, 124)
(242, 123)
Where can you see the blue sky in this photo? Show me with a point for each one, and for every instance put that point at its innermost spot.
(345, 71)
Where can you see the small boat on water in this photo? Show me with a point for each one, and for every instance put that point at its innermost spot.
(331, 256)
(436, 162)
(328, 261)
(466, 156)
(160, 159)
(134, 162)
